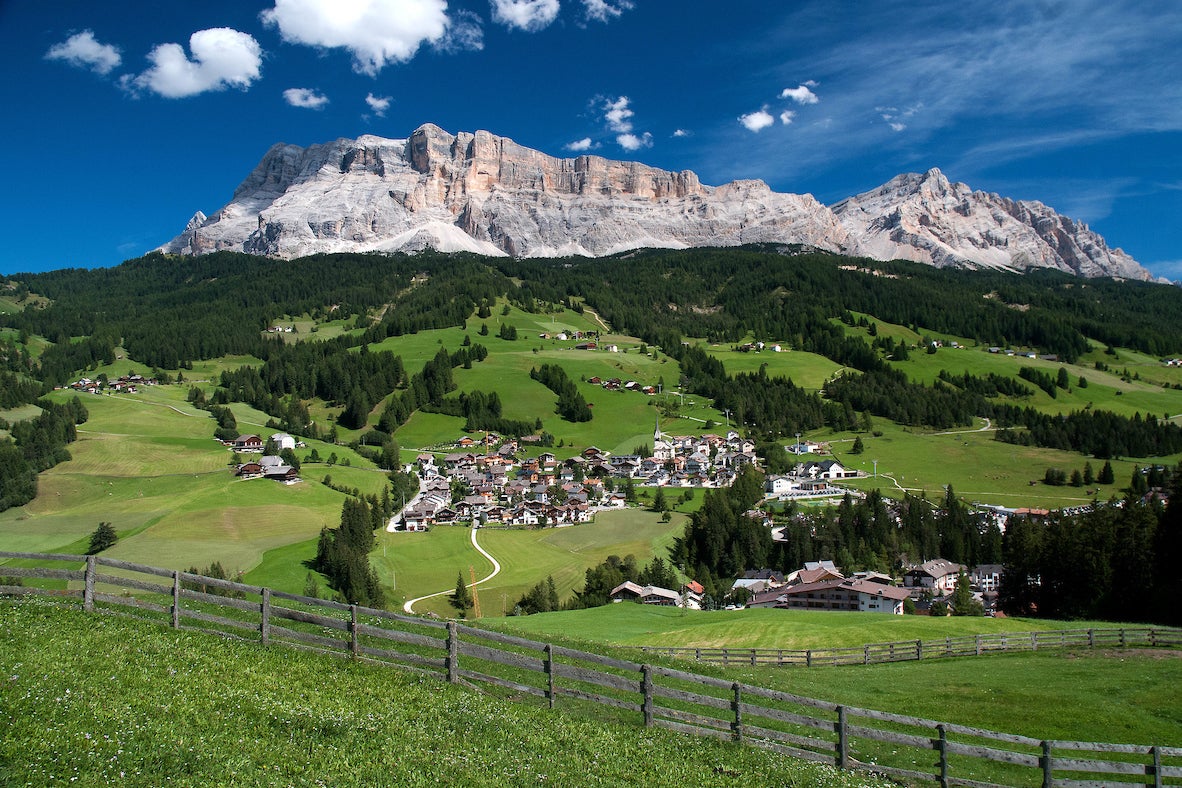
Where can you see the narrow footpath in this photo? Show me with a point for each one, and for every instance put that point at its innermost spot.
(496, 570)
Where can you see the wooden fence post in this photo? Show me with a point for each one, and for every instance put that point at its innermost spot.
(453, 653)
(646, 689)
(1045, 761)
(265, 617)
(942, 746)
(978, 648)
(549, 668)
(919, 649)
(354, 633)
(736, 701)
(176, 600)
(841, 761)
(1091, 638)
(88, 589)
(808, 658)
(1157, 777)
(1122, 637)
(866, 654)
(1034, 641)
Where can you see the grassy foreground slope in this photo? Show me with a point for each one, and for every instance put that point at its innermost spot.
(1130, 696)
(95, 700)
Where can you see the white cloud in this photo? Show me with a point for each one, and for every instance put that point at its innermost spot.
(305, 98)
(378, 104)
(375, 32)
(801, 94)
(464, 34)
(681, 133)
(221, 58)
(603, 11)
(528, 15)
(617, 114)
(579, 145)
(84, 51)
(755, 121)
(631, 142)
(897, 126)
(787, 116)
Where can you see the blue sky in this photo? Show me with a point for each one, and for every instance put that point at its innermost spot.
(123, 119)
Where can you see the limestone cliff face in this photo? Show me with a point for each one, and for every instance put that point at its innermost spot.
(483, 193)
(928, 219)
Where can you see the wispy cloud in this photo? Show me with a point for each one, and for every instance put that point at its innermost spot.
(83, 50)
(376, 32)
(305, 98)
(221, 58)
(528, 15)
(378, 104)
(604, 11)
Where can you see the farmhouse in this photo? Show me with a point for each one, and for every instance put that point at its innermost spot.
(247, 443)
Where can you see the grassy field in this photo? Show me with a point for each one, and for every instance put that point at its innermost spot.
(418, 564)
(1132, 696)
(650, 625)
(96, 700)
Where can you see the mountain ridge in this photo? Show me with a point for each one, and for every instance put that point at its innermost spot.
(478, 192)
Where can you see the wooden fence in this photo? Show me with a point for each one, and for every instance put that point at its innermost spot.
(910, 650)
(909, 748)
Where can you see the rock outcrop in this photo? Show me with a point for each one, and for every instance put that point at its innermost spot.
(487, 194)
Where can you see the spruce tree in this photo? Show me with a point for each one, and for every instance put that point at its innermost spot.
(101, 538)
(461, 599)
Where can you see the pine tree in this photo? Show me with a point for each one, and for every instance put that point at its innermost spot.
(1107, 476)
(461, 599)
(101, 538)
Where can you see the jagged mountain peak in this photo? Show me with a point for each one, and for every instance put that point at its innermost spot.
(476, 191)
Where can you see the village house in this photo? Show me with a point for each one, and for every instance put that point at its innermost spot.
(938, 576)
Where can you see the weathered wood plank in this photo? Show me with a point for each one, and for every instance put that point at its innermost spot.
(467, 649)
(210, 618)
(132, 582)
(756, 732)
(330, 644)
(143, 569)
(1128, 749)
(786, 716)
(35, 591)
(309, 618)
(787, 697)
(661, 691)
(795, 752)
(220, 601)
(698, 720)
(386, 656)
(893, 737)
(470, 633)
(691, 729)
(43, 573)
(1096, 766)
(63, 557)
(994, 754)
(610, 680)
(474, 675)
(123, 601)
(410, 638)
(681, 675)
(570, 692)
(596, 659)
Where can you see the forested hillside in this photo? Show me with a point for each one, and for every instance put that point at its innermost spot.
(359, 373)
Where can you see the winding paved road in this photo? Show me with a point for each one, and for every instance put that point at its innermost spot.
(496, 570)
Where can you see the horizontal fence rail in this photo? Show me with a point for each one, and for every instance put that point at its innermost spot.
(911, 650)
(898, 746)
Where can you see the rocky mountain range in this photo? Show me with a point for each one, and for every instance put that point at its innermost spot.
(483, 193)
